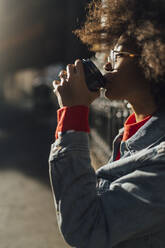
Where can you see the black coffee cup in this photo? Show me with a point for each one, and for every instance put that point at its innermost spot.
(93, 76)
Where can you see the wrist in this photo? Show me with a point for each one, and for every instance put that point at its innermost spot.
(72, 118)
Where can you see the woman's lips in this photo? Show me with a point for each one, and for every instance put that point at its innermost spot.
(107, 67)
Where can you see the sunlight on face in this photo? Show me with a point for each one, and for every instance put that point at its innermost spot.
(113, 59)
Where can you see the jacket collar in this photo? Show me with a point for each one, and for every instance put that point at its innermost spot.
(152, 131)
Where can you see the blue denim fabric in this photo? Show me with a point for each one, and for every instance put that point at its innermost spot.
(122, 205)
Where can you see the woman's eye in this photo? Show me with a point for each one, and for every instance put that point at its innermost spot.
(119, 55)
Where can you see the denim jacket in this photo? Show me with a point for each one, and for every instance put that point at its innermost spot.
(122, 205)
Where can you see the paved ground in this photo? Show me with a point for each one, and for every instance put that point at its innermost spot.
(27, 215)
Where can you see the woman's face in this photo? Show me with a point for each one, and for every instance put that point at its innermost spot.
(126, 80)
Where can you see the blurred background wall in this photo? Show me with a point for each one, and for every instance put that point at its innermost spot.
(38, 33)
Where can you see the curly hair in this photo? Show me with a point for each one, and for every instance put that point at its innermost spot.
(142, 21)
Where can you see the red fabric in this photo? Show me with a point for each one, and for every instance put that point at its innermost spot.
(72, 118)
(118, 155)
(131, 127)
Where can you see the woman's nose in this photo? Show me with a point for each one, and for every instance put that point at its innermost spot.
(108, 67)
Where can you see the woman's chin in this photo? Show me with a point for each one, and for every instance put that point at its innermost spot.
(109, 94)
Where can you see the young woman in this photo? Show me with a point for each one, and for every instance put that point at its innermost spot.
(123, 203)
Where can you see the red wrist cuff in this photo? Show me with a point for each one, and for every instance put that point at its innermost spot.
(72, 118)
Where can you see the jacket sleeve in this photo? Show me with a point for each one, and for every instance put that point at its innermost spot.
(131, 206)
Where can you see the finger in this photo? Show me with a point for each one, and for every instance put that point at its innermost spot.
(55, 89)
(59, 87)
(70, 70)
(79, 66)
(55, 83)
(63, 82)
(62, 74)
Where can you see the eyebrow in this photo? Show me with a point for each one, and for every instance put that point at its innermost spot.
(125, 52)
(116, 51)
(117, 46)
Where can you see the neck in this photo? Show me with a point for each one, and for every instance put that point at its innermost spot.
(142, 109)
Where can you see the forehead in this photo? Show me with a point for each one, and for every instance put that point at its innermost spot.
(118, 47)
(120, 43)
(125, 44)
